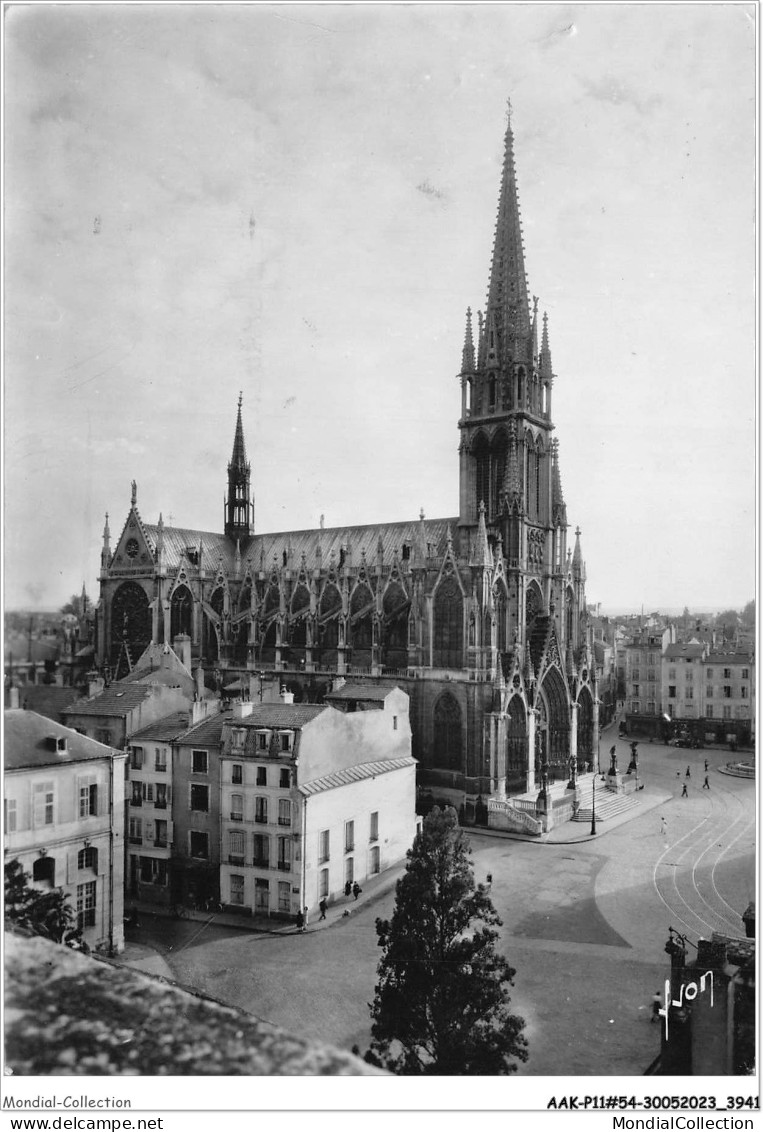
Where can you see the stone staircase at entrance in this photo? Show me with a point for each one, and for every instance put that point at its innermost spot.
(608, 805)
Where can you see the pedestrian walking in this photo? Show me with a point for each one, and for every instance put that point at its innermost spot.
(356, 890)
(684, 792)
(663, 827)
(706, 783)
(300, 922)
(323, 906)
(656, 1006)
(707, 766)
(348, 888)
(489, 881)
(304, 920)
(688, 772)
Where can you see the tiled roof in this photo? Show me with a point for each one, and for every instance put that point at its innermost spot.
(47, 699)
(281, 715)
(207, 733)
(262, 549)
(684, 650)
(376, 692)
(353, 774)
(118, 699)
(729, 658)
(26, 742)
(164, 730)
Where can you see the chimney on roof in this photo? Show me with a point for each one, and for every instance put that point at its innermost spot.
(182, 648)
(95, 684)
(323, 520)
(286, 697)
(242, 708)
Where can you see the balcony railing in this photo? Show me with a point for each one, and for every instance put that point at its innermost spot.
(261, 819)
(160, 842)
(236, 859)
(261, 862)
(284, 866)
(236, 817)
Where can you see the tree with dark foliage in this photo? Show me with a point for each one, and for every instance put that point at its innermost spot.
(442, 1001)
(46, 913)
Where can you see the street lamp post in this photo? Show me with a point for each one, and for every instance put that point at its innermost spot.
(593, 808)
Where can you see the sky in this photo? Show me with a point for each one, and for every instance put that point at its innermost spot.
(297, 202)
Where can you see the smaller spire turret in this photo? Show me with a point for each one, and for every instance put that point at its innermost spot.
(558, 506)
(482, 556)
(481, 350)
(106, 548)
(467, 356)
(577, 556)
(512, 486)
(545, 351)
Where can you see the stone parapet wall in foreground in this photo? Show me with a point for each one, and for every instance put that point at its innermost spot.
(66, 1013)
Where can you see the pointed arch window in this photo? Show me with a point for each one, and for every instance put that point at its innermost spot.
(482, 473)
(498, 471)
(448, 734)
(448, 636)
(537, 483)
(130, 621)
(181, 612)
(491, 386)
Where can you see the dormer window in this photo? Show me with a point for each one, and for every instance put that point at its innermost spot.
(262, 740)
(237, 738)
(286, 739)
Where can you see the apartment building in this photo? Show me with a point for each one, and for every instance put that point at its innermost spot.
(313, 797)
(682, 676)
(64, 819)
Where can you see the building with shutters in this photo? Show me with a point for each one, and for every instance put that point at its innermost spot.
(480, 615)
(313, 798)
(64, 819)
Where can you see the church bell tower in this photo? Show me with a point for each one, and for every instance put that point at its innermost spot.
(239, 506)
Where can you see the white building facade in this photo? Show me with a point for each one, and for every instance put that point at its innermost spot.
(64, 820)
(310, 798)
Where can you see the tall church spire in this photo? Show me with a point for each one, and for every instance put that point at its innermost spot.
(238, 458)
(239, 509)
(508, 309)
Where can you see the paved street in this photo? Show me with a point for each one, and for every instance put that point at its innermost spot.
(585, 924)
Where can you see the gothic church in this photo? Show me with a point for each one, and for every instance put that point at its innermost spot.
(480, 616)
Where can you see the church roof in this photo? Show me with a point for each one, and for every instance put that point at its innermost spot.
(262, 549)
